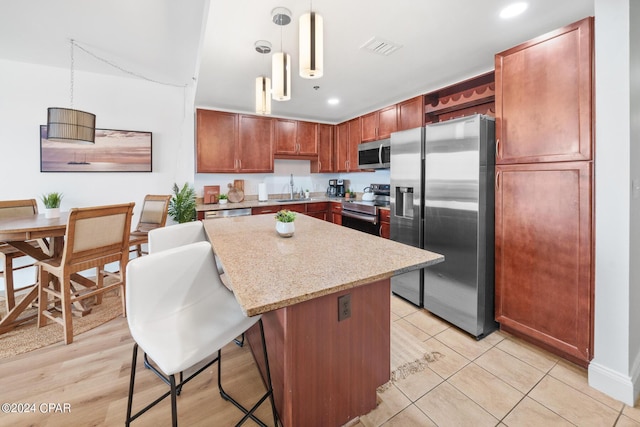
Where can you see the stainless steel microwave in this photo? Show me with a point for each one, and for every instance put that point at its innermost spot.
(375, 155)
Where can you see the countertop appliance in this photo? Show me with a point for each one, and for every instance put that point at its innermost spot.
(363, 214)
(457, 203)
(374, 155)
(340, 188)
(332, 189)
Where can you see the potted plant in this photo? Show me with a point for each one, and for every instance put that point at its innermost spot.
(284, 223)
(182, 206)
(306, 193)
(222, 199)
(52, 204)
(352, 194)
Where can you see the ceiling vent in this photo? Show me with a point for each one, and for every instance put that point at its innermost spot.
(380, 46)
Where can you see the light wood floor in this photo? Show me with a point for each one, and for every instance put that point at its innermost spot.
(497, 381)
(92, 376)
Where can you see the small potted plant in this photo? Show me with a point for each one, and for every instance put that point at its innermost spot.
(52, 204)
(306, 193)
(352, 194)
(222, 199)
(347, 194)
(284, 223)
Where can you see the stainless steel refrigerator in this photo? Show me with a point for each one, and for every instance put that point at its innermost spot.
(457, 171)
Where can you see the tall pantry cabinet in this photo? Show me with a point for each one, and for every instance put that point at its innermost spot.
(544, 191)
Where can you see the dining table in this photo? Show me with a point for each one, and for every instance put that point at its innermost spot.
(20, 232)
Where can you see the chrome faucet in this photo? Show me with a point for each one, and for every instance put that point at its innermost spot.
(291, 187)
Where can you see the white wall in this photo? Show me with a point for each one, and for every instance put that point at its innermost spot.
(119, 103)
(616, 364)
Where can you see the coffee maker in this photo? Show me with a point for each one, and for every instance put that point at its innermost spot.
(332, 190)
(340, 188)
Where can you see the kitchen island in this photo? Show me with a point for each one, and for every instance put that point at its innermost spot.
(324, 294)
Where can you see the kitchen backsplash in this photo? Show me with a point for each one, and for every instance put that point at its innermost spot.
(278, 181)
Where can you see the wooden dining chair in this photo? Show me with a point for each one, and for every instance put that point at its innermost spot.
(95, 237)
(154, 215)
(14, 209)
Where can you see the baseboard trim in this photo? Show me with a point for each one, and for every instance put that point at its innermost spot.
(621, 387)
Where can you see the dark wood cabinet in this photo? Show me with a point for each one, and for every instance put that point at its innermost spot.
(216, 141)
(336, 213)
(285, 136)
(255, 144)
(324, 163)
(543, 254)
(231, 143)
(411, 113)
(384, 216)
(318, 210)
(346, 147)
(544, 91)
(378, 124)
(295, 139)
(544, 192)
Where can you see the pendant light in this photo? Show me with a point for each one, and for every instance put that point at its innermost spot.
(69, 125)
(311, 45)
(263, 84)
(263, 95)
(281, 61)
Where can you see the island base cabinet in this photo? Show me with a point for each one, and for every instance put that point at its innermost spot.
(544, 278)
(325, 372)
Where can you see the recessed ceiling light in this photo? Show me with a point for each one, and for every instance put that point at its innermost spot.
(512, 10)
(333, 101)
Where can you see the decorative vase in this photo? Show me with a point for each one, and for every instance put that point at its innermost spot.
(52, 213)
(285, 229)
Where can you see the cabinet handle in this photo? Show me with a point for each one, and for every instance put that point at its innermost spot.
(498, 180)
(497, 151)
(239, 163)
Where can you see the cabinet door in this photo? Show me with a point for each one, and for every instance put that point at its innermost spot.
(369, 127)
(255, 144)
(307, 134)
(543, 255)
(216, 138)
(336, 213)
(325, 150)
(285, 136)
(411, 113)
(354, 141)
(342, 148)
(387, 122)
(544, 97)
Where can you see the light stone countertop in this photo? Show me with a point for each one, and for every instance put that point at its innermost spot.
(252, 202)
(268, 272)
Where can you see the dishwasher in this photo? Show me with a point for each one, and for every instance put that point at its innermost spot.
(227, 213)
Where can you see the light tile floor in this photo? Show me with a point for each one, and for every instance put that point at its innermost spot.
(499, 380)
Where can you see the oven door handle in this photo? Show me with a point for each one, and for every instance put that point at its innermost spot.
(366, 218)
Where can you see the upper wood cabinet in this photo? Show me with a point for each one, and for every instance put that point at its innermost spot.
(230, 143)
(346, 147)
(216, 141)
(295, 138)
(255, 144)
(544, 96)
(411, 113)
(379, 124)
(324, 163)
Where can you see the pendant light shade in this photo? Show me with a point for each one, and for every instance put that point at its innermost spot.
(311, 46)
(263, 95)
(281, 75)
(67, 125)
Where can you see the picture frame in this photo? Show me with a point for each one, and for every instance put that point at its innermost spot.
(114, 151)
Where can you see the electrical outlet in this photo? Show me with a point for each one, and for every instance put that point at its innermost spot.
(344, 307)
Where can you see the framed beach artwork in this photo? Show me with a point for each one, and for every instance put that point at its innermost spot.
(113, 151)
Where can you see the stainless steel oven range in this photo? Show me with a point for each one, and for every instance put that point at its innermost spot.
(362, 215)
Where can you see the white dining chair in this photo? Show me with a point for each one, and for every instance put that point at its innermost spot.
(180, 314)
